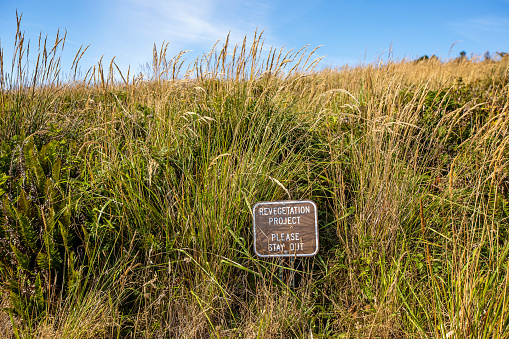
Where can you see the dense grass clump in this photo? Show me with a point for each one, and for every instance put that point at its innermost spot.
(125, 205)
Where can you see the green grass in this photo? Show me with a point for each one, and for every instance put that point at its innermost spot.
(126, 205)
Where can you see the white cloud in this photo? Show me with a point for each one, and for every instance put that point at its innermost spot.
(191, 24)
(498, 24)
(483, 28)
(199, 22)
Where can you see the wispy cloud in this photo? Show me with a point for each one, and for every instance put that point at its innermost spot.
(198, 22)
(483, 28)
(189, 24)
(497, 24)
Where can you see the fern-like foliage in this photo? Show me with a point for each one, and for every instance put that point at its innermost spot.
(37, 237)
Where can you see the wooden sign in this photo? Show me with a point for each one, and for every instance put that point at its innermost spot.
(285, 229)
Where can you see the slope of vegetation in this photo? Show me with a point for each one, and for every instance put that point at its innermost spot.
(125, 203)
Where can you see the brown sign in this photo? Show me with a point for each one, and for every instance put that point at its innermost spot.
(285, 229)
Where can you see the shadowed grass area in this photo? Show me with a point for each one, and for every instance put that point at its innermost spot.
(126, 201)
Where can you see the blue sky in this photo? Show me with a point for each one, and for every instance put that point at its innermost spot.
(351, 32)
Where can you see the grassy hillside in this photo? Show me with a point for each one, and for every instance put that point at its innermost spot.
(125, 203)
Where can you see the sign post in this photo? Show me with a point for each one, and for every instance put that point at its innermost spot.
(285, 229)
